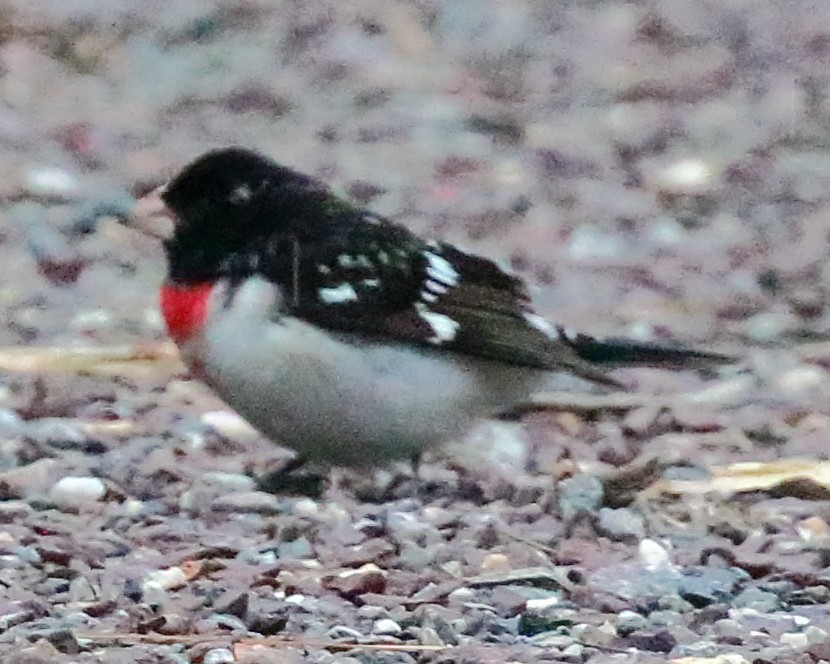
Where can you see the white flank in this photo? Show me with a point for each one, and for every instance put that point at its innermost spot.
(429, 297)
(441, 270)
(445, 328)
(338, 294)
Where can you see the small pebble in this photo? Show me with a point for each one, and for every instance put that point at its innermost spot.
(461, 596)
(674, 604)
(758, 600)
(218, 656)
(698, 650)
(815, 634)
(165, 579)
(341, 632)
(219, 622)
(622, 523)
(257, 502)
(306, 507)
(800, 379)
(542, 604)
(406, 526)
(76, 492)
(660, 641)
(228, 481)
(769, 326)
(590, 242)
(297, 549)
(81, 590)
(658, 619)
(579, 493)
(690, 176)
(595, 635)
(653, 555)
(727, 628)
(797, 640)
(387, 627)
(428, 636)
(495, 563)
(51, 181)
(630, 621)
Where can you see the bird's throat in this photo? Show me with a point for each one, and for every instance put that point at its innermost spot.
(185, 308)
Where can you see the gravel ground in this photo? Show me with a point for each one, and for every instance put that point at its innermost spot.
(654, 168)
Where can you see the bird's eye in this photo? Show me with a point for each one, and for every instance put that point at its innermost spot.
(240, 194)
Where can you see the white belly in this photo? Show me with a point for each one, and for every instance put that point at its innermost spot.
(344, 401)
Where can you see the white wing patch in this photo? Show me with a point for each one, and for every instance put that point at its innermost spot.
(345, 292)
(444, 327)
(545, 327)
(441, 270)
(435, 287)
(567, 333)
(442, 277)
(542, 325)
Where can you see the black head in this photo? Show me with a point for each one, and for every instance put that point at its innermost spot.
(228, 203)
(219, 188)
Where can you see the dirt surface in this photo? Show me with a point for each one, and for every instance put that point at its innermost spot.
(658, 169)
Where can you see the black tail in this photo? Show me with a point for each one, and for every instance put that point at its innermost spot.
(625, 352)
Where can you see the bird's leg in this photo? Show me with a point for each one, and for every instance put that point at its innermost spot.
(287, 481)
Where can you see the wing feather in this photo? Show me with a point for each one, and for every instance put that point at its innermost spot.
(391, 283)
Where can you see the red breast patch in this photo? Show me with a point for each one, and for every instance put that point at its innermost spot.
(184, 308)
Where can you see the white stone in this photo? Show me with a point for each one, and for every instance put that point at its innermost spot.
(686, 176)
(218, 656)
(51, 181)
(541, 604)
(653, 555)
(800, 379)
(794, 639)
(164, 579)
(78, 491)
(592, 242)
(228, 481)
(387, 627)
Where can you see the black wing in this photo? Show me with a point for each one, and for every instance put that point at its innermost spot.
(377, 278)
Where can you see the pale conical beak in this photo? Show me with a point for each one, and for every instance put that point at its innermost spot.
(151, 216)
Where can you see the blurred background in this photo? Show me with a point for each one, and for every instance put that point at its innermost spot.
(657, 168)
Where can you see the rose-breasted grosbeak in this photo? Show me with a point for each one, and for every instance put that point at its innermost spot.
(343, 335)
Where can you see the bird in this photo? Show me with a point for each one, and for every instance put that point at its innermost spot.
(343, 335)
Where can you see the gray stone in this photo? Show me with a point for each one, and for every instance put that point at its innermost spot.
(759, 600)
(622, 524)
(579, 493)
